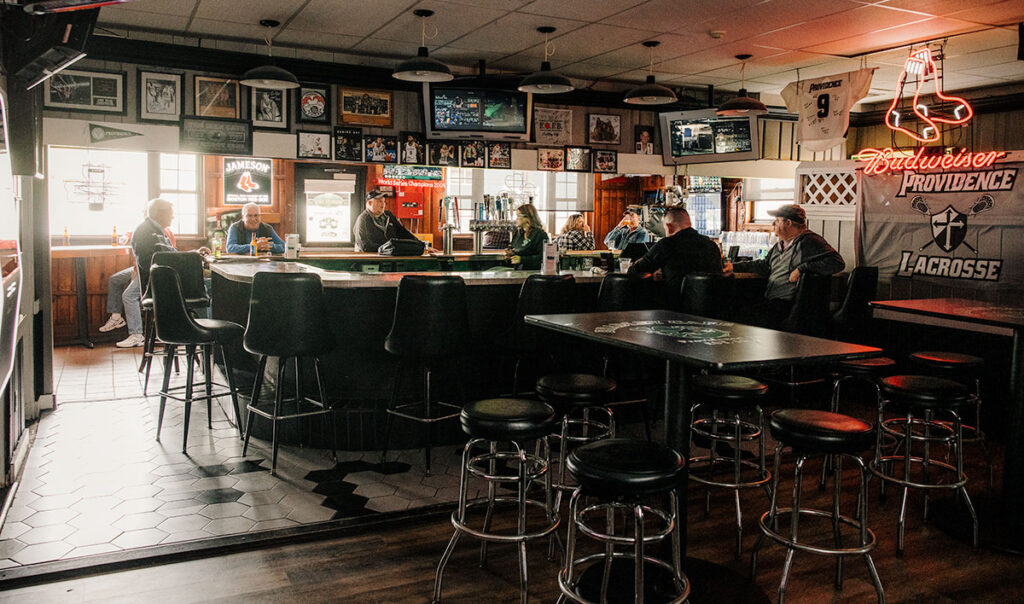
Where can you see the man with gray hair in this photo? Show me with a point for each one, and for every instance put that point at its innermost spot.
(682, 252)
(241, 234)
(147, 239)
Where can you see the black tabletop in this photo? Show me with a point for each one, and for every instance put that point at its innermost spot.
(972, 311)
(698, 341)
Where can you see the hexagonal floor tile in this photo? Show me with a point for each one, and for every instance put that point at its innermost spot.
(218, 495)
(267, 512)
(224, 510)
(91, 550)
(93, 535)
(9, 547)
(50, 517)
(389, 503)
(46, 534)
(183, 524)
(228, 526)
(215, 482)
(13, 530)
(133, 522)
(138, 491)
(43, 552)
(374, 489)
(137, 506)
(272, 496)
(266, 525)
(140, 538)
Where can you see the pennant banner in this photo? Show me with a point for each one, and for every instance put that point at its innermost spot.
(99, 133)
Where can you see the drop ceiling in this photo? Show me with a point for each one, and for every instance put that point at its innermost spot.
(597, 42)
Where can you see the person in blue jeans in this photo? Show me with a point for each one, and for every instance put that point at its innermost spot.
(116, 286)
(627, 231)
(240, 234)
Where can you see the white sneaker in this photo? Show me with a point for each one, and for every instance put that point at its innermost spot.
(133, 340)
(114, 322)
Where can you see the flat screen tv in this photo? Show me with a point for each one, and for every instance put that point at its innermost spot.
(453, 112)
(698, 137)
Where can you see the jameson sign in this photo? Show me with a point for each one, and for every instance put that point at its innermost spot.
(947, 227)
(248, 180)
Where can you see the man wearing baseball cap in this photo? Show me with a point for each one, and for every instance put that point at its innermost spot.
(376, 225)
(627, 231)
(798, 250)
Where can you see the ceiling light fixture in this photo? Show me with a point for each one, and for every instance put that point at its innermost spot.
(546, 81)
(742, 105)
(650, 93)
(270, 76)
(422, 68)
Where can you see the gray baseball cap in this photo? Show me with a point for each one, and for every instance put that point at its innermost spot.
(790, 211)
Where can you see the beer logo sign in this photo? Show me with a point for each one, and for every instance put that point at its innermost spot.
(248, 180)
(949, 230)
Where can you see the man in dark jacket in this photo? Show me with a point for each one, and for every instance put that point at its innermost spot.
(149, 237)
(682, 252)
(798, 250)
(376, 225)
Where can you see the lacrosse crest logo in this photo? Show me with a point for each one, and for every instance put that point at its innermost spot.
(949, 226)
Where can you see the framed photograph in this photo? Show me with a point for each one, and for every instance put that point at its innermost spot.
(552, 126)
(91, 91)
(473, 154)
(443, 153)
(413, 148)
(216, 97)
(380, 149)
(551, 160)
(313, 104)
(577, 159)
(604, 129)
(366, 107)
(161, 97)
(499, 155)
(644, 140)
(606, 162)
(269, 108)
(216, 136)
(348, 143)
(313, 145)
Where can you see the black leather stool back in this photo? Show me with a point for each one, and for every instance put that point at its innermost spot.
(189, 266)
(861, 288)
(617, 293)
(431, 317)
(287, 317)
(174, 324)
(707, 294)
(810, 313)
(541, 295)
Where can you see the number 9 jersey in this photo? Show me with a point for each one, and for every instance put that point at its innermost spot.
(823, 106)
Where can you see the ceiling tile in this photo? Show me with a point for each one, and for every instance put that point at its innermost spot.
(181, 8)
(242, 31)
(593, 10)
(336, 17)
(1003, 13)
(316, 39)
(981, 59)
(769, 16)
(593, 71)
(589, 42)
(938, 8)
(451, 20)
(921, 31)
(514, 33)
(385, 48)
(1013, 70)
(839, 26)
(255, 10)
(671, 46)
(670, 16)
(143, 20)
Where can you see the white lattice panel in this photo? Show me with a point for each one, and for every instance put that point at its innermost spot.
(831, 189)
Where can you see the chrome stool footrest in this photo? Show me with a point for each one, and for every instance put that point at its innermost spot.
(706, 462)
(817, 549)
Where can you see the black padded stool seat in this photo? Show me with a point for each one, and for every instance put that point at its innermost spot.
(581, 389)
(220, 331)
(626, 467)
(947, 361)
(924, 390)
(824, 431)
(728, 390)
(504, 419)
(866, 366)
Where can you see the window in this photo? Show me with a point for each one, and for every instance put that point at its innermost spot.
(767, 194)
(179, 184)
(93, 191)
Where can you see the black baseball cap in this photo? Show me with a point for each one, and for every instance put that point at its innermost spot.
(375, 193)
(790, 211)
(632, 211)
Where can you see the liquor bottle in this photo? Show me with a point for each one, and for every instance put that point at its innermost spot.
(252, 245)
(113, 237)
(67, 238)
(218, 243)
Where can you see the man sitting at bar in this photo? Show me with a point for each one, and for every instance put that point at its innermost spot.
(682, 252)
(798, 250)
(251, 225)
(376, 225)
(627, 231)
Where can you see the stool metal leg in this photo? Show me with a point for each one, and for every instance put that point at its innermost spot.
(333, 413)
(793, 526)
(524, 580)
(492, 469)
(772, 507)
(207, 375)
(163, 392)
(190, 354)
(389, 414)
(254, 400)
(638, 554)
(230, 375)
(282, 363)
(461, 513)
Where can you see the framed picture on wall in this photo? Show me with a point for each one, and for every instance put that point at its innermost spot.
(577, 159)
(606, 162)
(380, 149)
(499, 155)
(91, 91)
(413, 149)
(644, 140)
(604, 129)
(551, 160)
(366, 107)
(313, 145)
(216, 97)
(473, 154)
(161, 97)
(443, 153)
(269, 108)
(348, 143)
(314, 104)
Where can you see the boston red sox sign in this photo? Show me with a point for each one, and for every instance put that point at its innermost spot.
(248, 180)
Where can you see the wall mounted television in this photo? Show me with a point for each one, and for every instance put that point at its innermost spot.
(462, 112)
(698, 137)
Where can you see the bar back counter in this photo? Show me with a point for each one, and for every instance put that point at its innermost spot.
(361, 307)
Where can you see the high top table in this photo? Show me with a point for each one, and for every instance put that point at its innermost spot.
(687, 343)
(1001, 519)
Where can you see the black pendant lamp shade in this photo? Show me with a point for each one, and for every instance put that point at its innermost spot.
(422, 68)
(546, 81)
(270, 76)
(651, 93)
(742, 105)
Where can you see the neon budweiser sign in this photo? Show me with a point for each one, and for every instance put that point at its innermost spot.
(883, 161)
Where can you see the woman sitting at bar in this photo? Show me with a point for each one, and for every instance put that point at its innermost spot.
(527, 248)
(575, 235)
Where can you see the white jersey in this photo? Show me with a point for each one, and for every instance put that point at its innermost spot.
(823, 106)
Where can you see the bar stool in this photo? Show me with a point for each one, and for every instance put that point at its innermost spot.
(920, 397)
(540, 294)
(619, 292)
(287, 320)
(966, 369)
(489, 423)
(809, 432)
(708, 295)
(430, 327)
(728, 398)
(176, 327)
(624, 475)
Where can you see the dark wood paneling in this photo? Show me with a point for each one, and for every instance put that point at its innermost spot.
(65, 309)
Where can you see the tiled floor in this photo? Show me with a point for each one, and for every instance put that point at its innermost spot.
(97, 481)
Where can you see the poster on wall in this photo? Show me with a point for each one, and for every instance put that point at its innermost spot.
(160, 96)
(269, 108)
(348, 143)
(92, 91)
(553, 126)
(248, 180)
(957, 226)
(216, 136)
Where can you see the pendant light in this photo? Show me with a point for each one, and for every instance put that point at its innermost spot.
(270, 76)
(742, 105)
(650, 93)
(422, 68)
(546, 81)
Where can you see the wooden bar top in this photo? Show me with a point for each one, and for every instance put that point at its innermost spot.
(88, 251)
